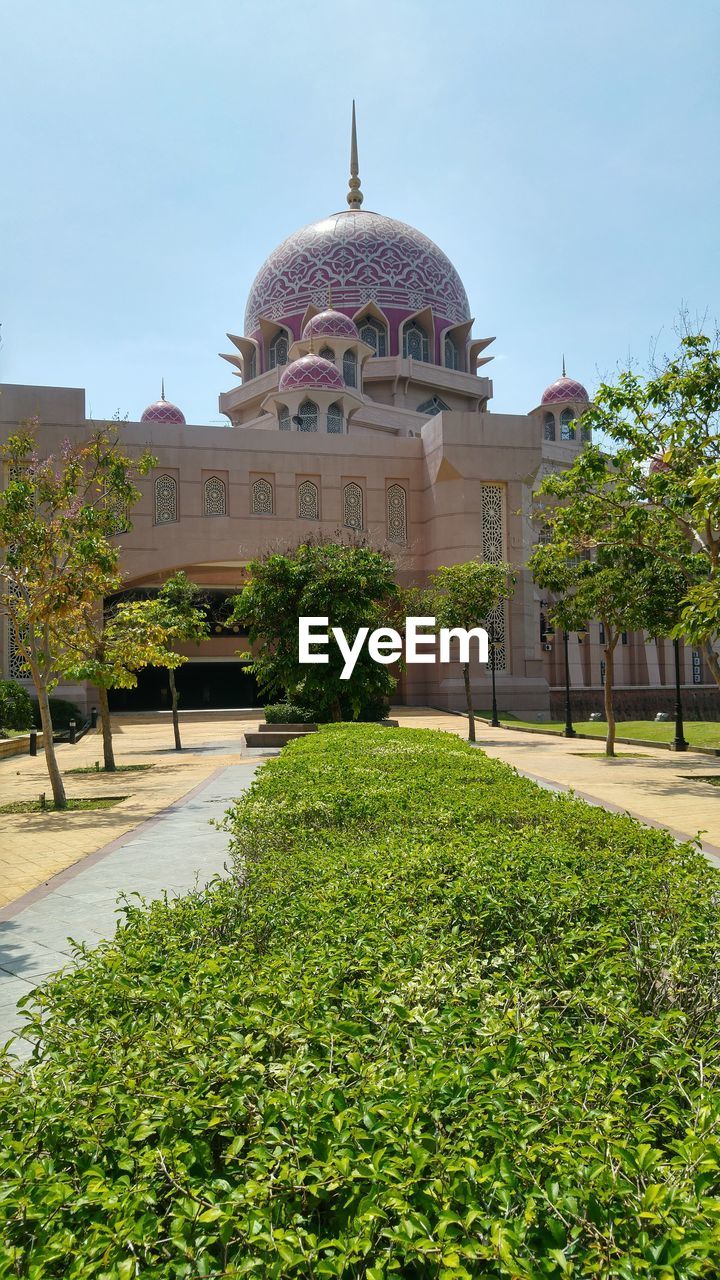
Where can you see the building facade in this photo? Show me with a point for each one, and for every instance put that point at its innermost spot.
(362, 406)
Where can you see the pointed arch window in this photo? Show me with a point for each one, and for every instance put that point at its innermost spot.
(262, 498)
(166, 504)
(350, 369)
(452, 353)
(308, 500)
(433, 406)
(327, 353)
(374, 333)
(215, 497)
(284, 418)
(250, 366)
(353, 506)
(307, 416)
(567, 428)
(278, 350)
(335, 420)
(415, 342)
(549, 426)
(397, 514)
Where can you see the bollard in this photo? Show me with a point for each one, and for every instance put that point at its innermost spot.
(33, 742)
(93, 717)
(72, 727)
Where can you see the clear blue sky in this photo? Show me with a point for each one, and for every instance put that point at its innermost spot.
(563, 154)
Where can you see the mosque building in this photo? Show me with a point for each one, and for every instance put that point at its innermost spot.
(362, 406)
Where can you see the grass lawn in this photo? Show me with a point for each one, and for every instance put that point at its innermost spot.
(119, 768)
(699, 733)
(34, 806)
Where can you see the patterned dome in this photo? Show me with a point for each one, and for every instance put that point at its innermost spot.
(164, 411)
(362, 257)
(658, 463)
(564, 389)
(312, 372)
(330, 324)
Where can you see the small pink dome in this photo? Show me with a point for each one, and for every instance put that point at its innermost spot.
(311, 371)
(564, 389)
(330, 324)
(658, 463)
(164, 411)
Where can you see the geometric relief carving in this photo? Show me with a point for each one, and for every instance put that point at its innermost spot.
(492, 528)
(262, 498)
(397, 514)
(165, 500)
(308, 501)
(215, 503)
(353, 506)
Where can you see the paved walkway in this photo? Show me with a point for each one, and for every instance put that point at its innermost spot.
(169, 853)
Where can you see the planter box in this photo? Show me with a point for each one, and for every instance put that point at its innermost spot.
(17, 746)
(281, 727)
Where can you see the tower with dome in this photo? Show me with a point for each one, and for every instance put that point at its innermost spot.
(360, 404)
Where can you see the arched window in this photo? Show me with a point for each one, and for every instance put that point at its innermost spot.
(327, 353)
(308, 501)
(284, 418)
(432, 407)
(374, 333)
(278, 351)
(215, 503)
(549, 426)
(567, 430)
(353, 506)
(452, 353)
(350, 369)
(249, 366)
(415, 342)
(396, 514)
(165, 500)
(335, 421)
(262, 498)
(307, 416)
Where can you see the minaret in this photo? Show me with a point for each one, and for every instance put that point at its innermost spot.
(354, 195)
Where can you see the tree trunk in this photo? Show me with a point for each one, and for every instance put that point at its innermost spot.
(175, 717)
(336, 710)
(609, 652)
(108, 753)
(53, 768)
(469, 702)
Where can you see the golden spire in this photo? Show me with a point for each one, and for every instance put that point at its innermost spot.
(354, 195)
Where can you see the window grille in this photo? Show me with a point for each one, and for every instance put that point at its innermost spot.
(308, 501)
(250, 366)
(166, 507)
(284, 418)
(397, 514)
(335, 420)
(262, 498)
(374, 333)
(327, 353)
(549, 426)
(215, 501)
(415, 342)
(492, 517)
(567, 430)
(278, 351)
(350, 369)
(452, 353)
(16, 667)
(432, 407)
(353, 506)
(308, 415)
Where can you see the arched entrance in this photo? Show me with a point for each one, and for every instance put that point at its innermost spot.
(202, 686)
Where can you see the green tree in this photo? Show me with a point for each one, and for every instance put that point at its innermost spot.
(465, 595)
(177, 611)
(59, 516)
(353, 586)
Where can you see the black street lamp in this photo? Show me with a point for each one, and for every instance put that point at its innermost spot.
(679, 742)
(568, 731)
(495, 722)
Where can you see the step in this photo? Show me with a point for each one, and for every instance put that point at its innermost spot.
(271, 738)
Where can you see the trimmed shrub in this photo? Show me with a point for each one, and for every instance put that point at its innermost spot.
(16, 708)
(441, 1023)
(288, 713)
(62, 712)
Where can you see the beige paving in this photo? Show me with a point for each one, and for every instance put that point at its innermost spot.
(660, 787)
(35, 846)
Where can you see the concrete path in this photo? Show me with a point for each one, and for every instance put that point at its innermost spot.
(171, 853)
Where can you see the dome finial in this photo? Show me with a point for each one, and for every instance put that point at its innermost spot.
(162, 388)
(564, 373)
(354, 195)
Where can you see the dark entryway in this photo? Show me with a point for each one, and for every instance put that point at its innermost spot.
(201, 686)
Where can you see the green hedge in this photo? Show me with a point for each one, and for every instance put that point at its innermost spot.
(288, 713)
(62, 711)
(16, 708)
(443, 1023)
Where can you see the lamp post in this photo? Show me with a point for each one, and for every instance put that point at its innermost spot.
(494, 721)
(568, 731)
(679, 742)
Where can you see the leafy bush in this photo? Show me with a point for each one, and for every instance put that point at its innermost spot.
(16, 710)
(441, 1023)
(62, 711)
(288, 713)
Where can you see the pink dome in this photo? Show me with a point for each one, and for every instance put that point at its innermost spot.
(658, 463)
(363, 257)
(564, 389)
(163, 411)
(330, 324)
(312, 372)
